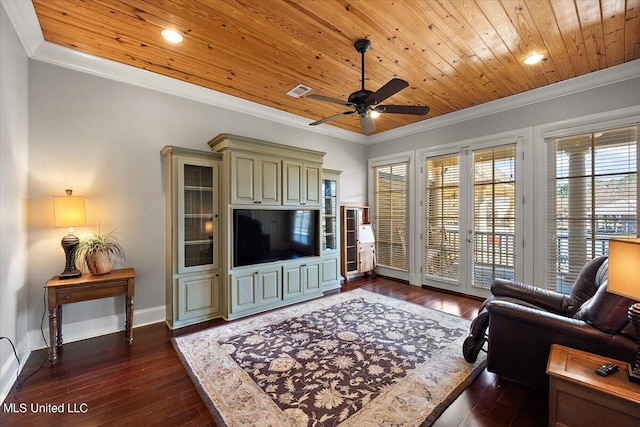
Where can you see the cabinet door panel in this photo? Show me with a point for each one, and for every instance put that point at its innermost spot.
(312, 185)
(270, 184)
(312, 278)
(198, 296)
(243, 292)
(330, 269)
(269, 283)
(366, 255)
(243, 177)
(292, 183)
(292, 281)
(197, 215)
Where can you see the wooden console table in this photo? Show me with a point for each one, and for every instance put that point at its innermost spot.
(85, 288)
(580, 397)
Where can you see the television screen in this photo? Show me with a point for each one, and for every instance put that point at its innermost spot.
(261, 235)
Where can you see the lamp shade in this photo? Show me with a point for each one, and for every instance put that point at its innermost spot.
(624, 267)
(69, 211)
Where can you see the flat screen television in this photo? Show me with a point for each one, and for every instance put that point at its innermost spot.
(267, 235)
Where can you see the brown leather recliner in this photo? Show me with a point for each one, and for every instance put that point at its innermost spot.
(524, 321)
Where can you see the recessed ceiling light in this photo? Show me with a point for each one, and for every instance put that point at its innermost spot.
(172, 36)
(533, 58)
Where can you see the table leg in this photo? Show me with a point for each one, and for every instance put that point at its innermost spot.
(129, 321)
(59, 316)
(53, 327)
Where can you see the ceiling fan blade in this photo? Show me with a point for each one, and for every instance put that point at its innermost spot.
(326, 119)
(418, 110)
(368, 126)
(329, 99)
(392, 87)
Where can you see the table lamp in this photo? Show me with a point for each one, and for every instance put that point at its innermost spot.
(69, 212)
(624, 279)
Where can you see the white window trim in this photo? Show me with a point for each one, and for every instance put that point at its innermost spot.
(407, 156)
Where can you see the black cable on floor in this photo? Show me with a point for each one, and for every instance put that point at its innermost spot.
(44, 311)
(15, 353)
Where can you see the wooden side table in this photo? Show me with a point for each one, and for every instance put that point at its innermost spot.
(85, 288)
(580, 397)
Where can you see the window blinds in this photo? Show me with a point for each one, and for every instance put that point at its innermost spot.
(441, 217)
(592, 198)
(391, 212)
(494, 216)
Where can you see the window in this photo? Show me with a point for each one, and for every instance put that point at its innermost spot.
(593, 197)
(391, 212)
(494, 214)
(442, 217)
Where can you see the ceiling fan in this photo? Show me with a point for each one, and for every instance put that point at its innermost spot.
(365, 102)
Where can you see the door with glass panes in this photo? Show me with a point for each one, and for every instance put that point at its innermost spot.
(469, 211)
(198, 222)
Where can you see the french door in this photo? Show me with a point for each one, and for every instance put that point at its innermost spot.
(469, 208)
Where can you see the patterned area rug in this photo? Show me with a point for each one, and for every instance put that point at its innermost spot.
(351, 359)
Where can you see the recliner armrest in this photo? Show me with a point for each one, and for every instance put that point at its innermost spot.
(552, 323)
(543, 298)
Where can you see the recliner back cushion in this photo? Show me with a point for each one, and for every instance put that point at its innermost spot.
(586, 284)
(605, 311)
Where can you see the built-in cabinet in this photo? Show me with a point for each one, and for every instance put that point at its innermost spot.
(330, 268)
(193, 288)
(255, 179)
(357, 245)
(269, 176)
(302, 182)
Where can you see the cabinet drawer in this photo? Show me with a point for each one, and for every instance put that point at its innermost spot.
(92, 291)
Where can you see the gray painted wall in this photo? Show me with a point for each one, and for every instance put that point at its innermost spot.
(14, 141)
(103, 138)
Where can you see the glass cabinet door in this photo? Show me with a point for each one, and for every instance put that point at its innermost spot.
(198, 216)
(330, 215)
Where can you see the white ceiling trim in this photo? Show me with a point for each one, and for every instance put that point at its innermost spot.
(24, 19)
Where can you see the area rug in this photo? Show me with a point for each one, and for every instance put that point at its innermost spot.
(352, 359)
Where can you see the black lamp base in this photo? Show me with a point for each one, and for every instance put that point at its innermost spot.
(634, 376)
(634, 318)
(69, 244)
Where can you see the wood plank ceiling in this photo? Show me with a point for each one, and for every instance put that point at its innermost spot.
(454, 53)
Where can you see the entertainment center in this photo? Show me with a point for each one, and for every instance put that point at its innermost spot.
(251, 226)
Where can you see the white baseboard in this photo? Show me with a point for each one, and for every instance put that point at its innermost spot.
(11, 369)
(72, 332)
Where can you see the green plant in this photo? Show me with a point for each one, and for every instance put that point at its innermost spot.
(90, 246)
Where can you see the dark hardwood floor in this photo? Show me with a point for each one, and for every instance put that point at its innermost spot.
(102, 381)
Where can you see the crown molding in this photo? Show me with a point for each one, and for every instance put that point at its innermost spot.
(611, 75)
(25, 22)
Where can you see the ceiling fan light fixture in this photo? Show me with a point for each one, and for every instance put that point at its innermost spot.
(366, 103)
(172, 36)
(534, 58)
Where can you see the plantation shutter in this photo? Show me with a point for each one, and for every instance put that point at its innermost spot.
(390, 214)
(592, 198)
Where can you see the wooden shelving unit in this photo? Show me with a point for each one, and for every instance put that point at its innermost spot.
(353, 251)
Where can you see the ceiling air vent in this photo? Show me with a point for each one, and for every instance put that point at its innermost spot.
(298, 91)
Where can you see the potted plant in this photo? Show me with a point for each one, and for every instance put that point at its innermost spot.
(98, 252)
